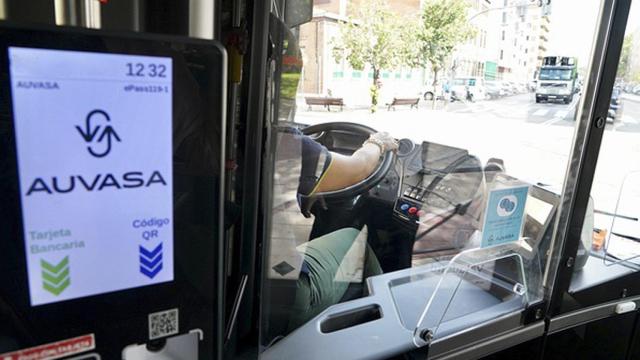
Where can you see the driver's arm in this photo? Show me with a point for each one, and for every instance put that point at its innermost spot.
(345, 171)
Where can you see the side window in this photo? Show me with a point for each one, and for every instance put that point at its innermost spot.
(467, 190)
(611, 234)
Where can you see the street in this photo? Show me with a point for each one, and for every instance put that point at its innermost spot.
(534, 140)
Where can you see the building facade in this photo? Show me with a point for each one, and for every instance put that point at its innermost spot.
(509, 44)
(523, 37)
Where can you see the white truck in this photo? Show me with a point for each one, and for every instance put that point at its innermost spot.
(557, 79)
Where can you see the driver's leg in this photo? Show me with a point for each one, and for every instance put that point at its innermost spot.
(323, 281)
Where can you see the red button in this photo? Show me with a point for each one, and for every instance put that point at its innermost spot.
(413, 210)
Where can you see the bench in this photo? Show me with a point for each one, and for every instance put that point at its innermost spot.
(327, 102)
(413, 102)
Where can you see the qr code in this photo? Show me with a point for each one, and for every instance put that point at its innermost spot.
(163, 323)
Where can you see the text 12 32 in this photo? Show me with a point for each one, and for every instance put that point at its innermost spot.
(146, 70)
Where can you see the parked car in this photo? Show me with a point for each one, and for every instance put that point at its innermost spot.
(494, 89)
(506, 88)
(521, 87)
(628, 88)
(428, 92)
(471, 88)
(615, 105)
(515, 90)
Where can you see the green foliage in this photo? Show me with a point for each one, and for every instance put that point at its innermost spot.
(372, 37)
(377, 37)
(443, 26)
(624, 70)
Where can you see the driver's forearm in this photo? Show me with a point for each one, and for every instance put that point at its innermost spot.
(348, 170)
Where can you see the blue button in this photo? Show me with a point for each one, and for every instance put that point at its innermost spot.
(404, 207)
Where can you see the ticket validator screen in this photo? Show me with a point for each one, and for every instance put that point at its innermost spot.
(94, 147)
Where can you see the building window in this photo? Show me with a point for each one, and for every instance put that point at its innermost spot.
(504, 17)
(503, 34)
(501, 54)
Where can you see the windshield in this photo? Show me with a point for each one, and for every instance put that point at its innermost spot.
(555, 74)
(473, 145)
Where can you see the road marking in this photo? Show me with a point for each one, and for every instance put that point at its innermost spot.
(561, 113)
(558, 116)
(628, 120)
(541, 112)
(551, 121)
(616, 125)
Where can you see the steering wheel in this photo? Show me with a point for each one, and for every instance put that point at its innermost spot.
(372, 180)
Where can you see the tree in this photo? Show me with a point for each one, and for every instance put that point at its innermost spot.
(372, 36)
(624, 70)
(443, 26)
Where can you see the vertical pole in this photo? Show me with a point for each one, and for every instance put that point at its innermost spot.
(201, 18)
(65, 12)
(255, 117)
(91, 14)
(3, 10)
(84, 13)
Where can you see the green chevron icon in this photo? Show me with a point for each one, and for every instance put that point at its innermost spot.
(55, 277)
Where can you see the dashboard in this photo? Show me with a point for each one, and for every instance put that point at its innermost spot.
(430, 178)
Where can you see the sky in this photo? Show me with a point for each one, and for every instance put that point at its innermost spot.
(573, 25)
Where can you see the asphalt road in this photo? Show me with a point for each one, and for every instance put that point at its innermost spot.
(521, 108)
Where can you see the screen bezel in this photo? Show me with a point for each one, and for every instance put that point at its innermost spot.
(129, 308)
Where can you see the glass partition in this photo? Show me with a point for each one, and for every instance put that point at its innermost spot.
(444, 168)
(622, 242)
(480, 285)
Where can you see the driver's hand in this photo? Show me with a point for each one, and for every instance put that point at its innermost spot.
(386, 140)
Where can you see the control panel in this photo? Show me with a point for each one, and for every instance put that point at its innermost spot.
(437, 179)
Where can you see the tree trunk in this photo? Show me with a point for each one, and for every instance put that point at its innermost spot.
(435, 76)
(435, 87)
(375, 90)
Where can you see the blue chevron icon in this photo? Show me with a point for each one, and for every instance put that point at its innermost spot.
(151, 261)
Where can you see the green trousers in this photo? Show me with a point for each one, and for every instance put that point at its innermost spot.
(326, 281)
